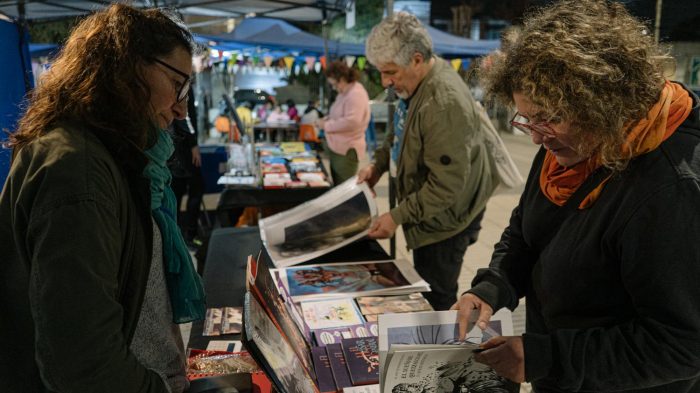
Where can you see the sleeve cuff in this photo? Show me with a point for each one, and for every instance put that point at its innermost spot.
(396, 216)
(538, 356)
(488, 292)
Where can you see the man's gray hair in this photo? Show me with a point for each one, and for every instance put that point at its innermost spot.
(396, 39)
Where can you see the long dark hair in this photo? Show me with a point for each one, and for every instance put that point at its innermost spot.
(97, 78)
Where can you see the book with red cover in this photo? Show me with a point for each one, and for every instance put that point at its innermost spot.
(324, 375)
(362, 359)
(341, 376)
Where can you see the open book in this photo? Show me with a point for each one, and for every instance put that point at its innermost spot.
(319, 226)
(421, 352)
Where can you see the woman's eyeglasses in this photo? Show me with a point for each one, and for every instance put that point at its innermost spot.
(524, 124)
(185, 87)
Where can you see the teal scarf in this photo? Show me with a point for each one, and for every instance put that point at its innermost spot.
(184, 284)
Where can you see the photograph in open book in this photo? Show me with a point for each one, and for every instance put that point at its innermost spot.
(328, 228)
(449, 369)
(338, 217)
(272, 351)
(262, 285)
(369, 276)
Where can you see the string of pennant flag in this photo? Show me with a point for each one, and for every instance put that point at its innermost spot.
(307, 63)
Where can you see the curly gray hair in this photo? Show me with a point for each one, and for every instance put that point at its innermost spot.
(396, 39)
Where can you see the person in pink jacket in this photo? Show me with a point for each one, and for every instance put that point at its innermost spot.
(346, 122)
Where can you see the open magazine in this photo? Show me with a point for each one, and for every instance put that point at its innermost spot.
(431, 338)
(319, 226)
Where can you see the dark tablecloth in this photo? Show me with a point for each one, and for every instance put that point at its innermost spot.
(225, 268)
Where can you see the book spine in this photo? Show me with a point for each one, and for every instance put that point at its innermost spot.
(322, 366)
(338, 367)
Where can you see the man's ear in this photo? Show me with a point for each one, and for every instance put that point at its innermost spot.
(417, 59)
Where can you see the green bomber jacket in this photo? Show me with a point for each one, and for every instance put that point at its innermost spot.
(445, 174)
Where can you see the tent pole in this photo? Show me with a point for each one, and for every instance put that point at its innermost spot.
(324, 29)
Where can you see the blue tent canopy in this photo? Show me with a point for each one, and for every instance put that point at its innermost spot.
(15, 80)
(278, 34)
(275, 34)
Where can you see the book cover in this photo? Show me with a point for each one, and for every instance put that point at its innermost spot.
(341, 376)
(261, 284)
(342, 279)
(232, 320)
(374, 305)
(362, 359)
(334, 313)
(324, 375)
(323, 337)
(212, 322)
(272, 352)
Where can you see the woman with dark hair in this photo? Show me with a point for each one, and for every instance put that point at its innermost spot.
(346, 122)
(96, 275)
(604, 242)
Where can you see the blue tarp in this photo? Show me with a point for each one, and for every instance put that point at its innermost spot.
(275, 34)
(15, 79)
(279, 35)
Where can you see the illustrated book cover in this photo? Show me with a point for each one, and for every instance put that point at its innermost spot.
(272, 352)
(260, 283)
(362, 359)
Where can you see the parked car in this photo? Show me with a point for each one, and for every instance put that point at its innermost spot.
(256, 96)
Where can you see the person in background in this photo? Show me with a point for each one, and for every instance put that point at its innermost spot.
(95, 274)
(245, 113)
(604, 241)
(347, 120)
(292, 111)
(185, 166)
(437, 157)
(263, 111)
(277, 115)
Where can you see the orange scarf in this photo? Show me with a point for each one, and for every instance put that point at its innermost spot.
(558, 183)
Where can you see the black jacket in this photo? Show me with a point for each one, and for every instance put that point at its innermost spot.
(75, 253)
(613, 299)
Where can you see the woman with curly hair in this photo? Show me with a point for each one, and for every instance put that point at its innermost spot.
(604, 241)
(95, 273)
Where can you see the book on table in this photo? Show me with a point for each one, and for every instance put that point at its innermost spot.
(422, 351)
(271, 350)
(350, 279)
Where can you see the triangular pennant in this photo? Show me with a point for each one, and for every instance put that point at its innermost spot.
(323, 62)
(289, 62)
(466, 63)
(456, 63)
(268, 61)
(256, 60)
(310, 60)
(350, 60)
(361, 61)
(317, 67)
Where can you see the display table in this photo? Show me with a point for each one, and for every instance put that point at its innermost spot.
(225, 270)
(282, 131)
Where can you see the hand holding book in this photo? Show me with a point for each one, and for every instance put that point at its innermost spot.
(505, 355)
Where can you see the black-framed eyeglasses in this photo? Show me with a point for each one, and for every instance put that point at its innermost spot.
(185, 87)
(524, 124)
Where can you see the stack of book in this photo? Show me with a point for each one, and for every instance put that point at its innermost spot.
(290, 165)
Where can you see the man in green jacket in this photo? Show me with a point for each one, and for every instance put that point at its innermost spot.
(436, 156)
